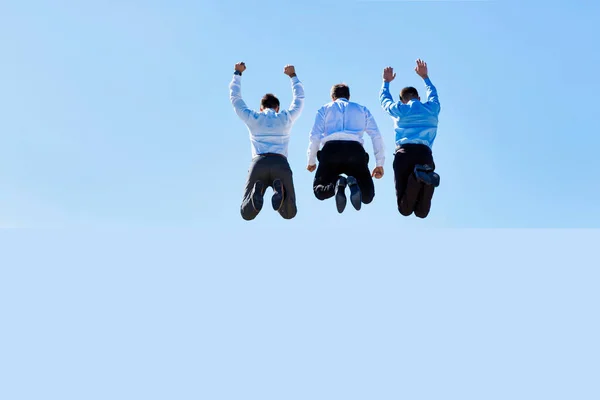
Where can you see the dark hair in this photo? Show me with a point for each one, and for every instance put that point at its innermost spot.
(409, 93)
(340, 91)
(269, 101)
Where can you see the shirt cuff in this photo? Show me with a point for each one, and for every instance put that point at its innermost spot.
(380, 163)
(386, 85)
(312, 159)
(427, 81)
(295, 79)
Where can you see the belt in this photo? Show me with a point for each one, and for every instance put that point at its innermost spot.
(272, 154)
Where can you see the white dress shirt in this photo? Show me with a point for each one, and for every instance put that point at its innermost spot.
(269, 131)
(344, 120)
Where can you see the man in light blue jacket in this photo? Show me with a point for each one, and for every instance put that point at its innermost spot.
(416, 125)
(269, 130)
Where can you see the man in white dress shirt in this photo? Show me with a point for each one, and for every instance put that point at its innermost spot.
(269, 131)
(339, 127)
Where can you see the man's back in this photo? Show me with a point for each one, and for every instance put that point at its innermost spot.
(415, 122)
(345, 117)
(269, 131)
(342, 119)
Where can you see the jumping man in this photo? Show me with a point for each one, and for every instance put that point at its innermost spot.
(269, 137)
(339, 127)
(416, 125)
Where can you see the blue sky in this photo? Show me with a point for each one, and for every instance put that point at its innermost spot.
(117, 113)
(116, 118)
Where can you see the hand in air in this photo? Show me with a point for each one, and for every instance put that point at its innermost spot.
(289, 70)
(378, 173)
(388, 74)
(421, 68)
(240, 67)
(311, 168)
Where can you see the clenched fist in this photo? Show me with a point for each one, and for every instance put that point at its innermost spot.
(289, 70)
(240, 67)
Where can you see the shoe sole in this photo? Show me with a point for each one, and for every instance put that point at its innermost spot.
(278, 196)
(355, 193)
(257, 196)
(340, 197)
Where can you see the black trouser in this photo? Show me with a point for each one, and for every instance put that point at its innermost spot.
(343, 157)
(411, 194)
(266, 168)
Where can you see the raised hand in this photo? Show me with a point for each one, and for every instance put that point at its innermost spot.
(388, 74)
(289, 70)
(421, 68)
(240, 67)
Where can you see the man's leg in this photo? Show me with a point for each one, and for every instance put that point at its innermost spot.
(407, 190)
(358, 168)
(326, 176)
(423, 205)
(283, 173)
(254, 190)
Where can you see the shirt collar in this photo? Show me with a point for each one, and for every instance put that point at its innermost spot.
(342, 99)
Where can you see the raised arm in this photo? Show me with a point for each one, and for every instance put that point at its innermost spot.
(314, 139)
(385, 97)
(235, 94)
(297, 93)
(432, 97)
(378, 147)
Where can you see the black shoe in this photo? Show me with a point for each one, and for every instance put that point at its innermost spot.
(355, 193)
(278, 195)
(424, 173)
(257, 195)
(340, 196)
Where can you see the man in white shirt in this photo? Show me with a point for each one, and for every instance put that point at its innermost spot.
(339, 127)
(269, 131)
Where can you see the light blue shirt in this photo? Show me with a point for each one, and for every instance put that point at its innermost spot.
(344, 120)
(269, 131)
(414, 122)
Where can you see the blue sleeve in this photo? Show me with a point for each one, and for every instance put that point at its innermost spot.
(387, 101)
(432, 95)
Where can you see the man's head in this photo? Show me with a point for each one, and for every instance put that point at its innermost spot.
(409, 93)
(269, 101)
(340, 91)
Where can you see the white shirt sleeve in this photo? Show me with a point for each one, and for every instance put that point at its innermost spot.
(235, 96)
(297, 99)
(315, 136)
(373, 131)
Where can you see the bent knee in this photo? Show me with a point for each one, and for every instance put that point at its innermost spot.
(421, 214)
(248, 216)
(367, 199)
(322, 195)
(404, 211)
(289, 215)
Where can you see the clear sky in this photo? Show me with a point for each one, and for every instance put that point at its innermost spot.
(116, 114)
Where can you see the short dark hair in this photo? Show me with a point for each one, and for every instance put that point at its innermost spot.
(409, 93)
(340, 91)
(269, 101)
